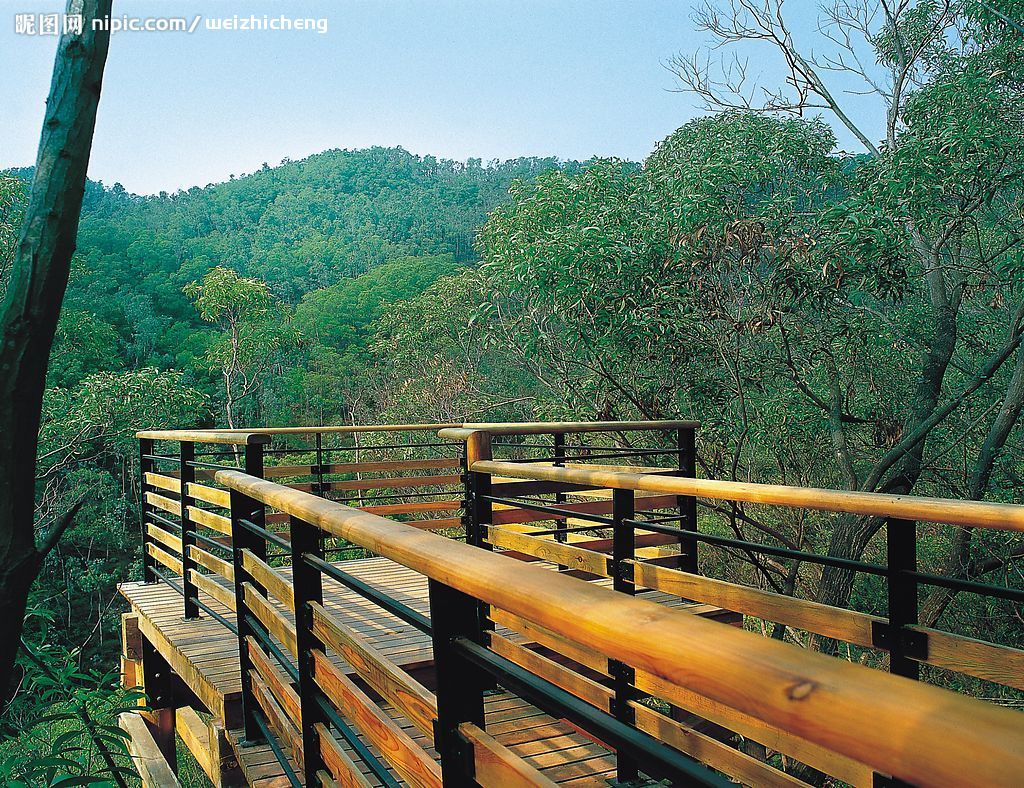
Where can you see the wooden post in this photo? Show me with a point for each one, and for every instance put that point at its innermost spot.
(159, 685)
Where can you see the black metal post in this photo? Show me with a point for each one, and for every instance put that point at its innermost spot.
(308, 586)
(146, 465)
(257, 513)
(559, 462)
(686, 446)
(901, 549)
(186, 454)
(478, 487)
(460, 683)
(319, 487)
(623, 676)
(245, 508)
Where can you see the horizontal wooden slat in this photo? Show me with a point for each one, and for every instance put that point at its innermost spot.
(162, 502)
(550, 550)
(989, 661)
(279, 471)
(833, 622)
(919, 733)
(212, 495)
(271, 618)
(827, 761)
(283, 692)
(437, 525)
(413, 508)
(212, 562)
(344, 771)
(410, 760)
(652, 503)
(404, 482)
(414, 700)
(277, 720)
(393, 465)
(729, 760)
(545, 637)
(212, 588)
(165, 558)
(212, 520)
(497, 765)
(580, 686)
(269, 578)
(164, 537)
(163, 482)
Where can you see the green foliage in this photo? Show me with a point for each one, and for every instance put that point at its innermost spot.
(63, 723)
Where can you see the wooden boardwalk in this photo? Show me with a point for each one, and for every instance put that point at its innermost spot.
(204, 654)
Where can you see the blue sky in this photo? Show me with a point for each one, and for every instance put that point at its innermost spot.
(453, 78)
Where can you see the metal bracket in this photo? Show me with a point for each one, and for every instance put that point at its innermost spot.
(913, 643)
(460, 748)
(622, 570)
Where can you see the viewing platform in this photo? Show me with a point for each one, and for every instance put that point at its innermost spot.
(521, 604)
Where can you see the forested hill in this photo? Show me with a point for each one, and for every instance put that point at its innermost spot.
(301, 226)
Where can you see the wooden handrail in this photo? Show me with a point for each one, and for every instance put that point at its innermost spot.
(234, 438)
(343, 428)
(460, 432)
(913, 731)
(975, 514)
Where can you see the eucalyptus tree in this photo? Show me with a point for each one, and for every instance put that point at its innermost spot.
(31, 307)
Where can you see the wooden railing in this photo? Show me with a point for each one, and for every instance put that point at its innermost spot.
(593, 502)
(837, 713)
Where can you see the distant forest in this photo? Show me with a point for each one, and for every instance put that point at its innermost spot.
(296, 263)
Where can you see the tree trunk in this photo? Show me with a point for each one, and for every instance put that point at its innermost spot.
(32, 306)
(851, 535)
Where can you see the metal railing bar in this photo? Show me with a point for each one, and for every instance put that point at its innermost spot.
(970, 586)
(758, 547)
(160, 520)
(379, 769)
(559, 703)
(216, 616)
(169, 458)
(270, 536)
(266, 642)
(393, 606)
(282, 759)
(536, 507)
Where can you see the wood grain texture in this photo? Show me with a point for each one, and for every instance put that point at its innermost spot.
(146, 756)
(410, 760)
(834, 622)
(919, 733)
(414, 700)
(496, 764)
(978, 514)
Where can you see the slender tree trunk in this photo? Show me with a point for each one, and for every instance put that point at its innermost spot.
(851, 535)
(32, 306)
